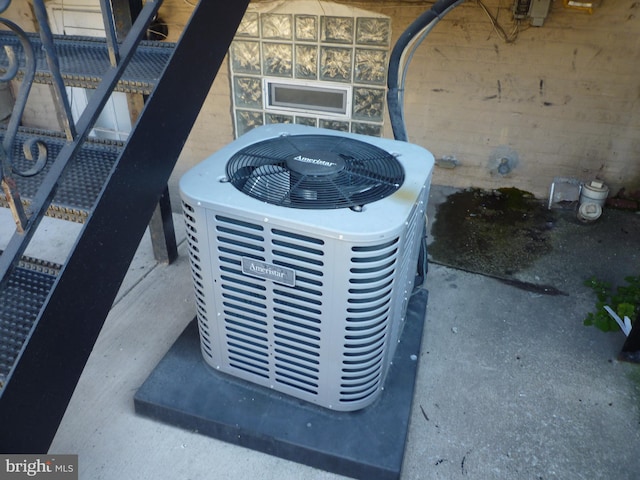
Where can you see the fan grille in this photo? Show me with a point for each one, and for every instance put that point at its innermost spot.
(315, 172)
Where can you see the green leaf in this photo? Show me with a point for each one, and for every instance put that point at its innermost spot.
(625, 302)
(626, 310)
(602, 324)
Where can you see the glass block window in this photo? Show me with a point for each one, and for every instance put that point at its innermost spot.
(320, 70)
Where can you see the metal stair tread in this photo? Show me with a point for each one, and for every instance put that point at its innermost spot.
(84, 60)
(82, 182)
(20, 303)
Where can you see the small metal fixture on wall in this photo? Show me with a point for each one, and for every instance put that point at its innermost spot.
(535, 10)
(503, 160)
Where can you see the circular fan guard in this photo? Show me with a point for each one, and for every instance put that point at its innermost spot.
(315, 172)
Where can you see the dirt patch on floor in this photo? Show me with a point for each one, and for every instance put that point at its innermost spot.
(492, 232)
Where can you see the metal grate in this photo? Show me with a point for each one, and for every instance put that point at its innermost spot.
(315, 172)
(407, 262)
(373, 269)
(272, 330)
(297, 319)
(84, 179)
(244, 299)
(84, 60)
(20, 304)
(196, 276)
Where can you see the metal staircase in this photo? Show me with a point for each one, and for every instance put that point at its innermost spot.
(51, 315)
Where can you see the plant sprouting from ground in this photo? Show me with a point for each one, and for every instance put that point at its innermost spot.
(625, 301)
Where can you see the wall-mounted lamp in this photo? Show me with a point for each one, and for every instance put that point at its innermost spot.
(585, 6)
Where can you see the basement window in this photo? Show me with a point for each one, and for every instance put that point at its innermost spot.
(306, 97)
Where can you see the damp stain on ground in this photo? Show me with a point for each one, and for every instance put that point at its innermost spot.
(492, 232)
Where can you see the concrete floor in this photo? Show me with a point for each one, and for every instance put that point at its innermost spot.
(510, 384)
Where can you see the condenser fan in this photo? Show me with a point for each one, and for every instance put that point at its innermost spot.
(315, 172)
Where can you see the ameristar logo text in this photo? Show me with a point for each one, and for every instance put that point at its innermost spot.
(315, 161)
(267, 271)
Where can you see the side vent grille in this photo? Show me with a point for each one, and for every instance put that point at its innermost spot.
(415, 230)
(371, 284)
(196, 275)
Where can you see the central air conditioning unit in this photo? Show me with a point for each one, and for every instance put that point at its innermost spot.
(304, 244)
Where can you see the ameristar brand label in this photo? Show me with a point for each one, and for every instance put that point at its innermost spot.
(256, 268)
(314, 161)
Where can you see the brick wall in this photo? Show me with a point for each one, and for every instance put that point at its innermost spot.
(563, 99)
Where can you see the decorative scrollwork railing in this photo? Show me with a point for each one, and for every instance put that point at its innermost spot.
(7, 166)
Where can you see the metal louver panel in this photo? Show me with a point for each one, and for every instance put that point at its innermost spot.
(197, 278)
(371, 286)
(407, 263)
(272, 331)
(297, 318)
(243, 299)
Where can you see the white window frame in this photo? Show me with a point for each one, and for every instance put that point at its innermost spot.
(268, 83)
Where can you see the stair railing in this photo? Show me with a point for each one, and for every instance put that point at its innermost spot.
(28, 220)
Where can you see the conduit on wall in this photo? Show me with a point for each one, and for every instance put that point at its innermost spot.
(401, 56)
